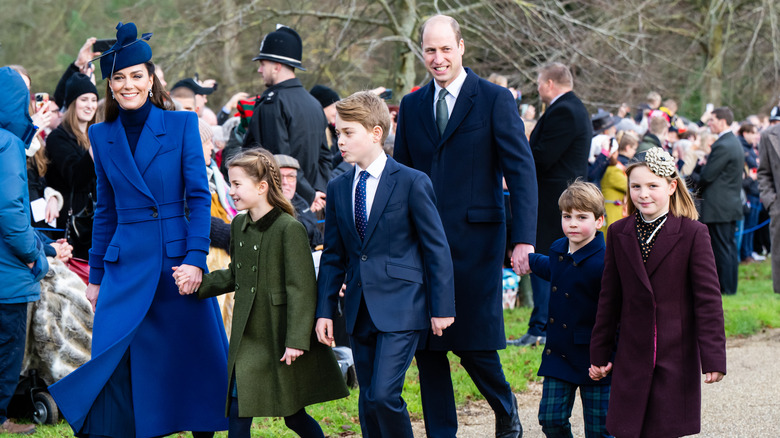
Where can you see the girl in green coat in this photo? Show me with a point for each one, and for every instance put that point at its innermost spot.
(275, 366)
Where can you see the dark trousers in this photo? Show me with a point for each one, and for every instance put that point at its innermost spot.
(381, 362)
(13, 331)
(751, 220)
(724, 247)
(538, 322)
(558, 400)
(438, 397)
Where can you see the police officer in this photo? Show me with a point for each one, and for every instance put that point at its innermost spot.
(287, 119)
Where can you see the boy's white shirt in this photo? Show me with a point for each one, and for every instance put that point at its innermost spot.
(375, 170)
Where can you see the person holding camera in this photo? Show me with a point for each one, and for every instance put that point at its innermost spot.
(71, 170)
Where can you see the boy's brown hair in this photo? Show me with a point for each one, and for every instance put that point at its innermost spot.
(368, 109)
(582, 196)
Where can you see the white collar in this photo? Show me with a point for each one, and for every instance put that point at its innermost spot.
(454, 87)
(374, 169)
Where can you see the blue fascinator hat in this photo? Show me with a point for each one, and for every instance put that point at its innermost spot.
(128, 50)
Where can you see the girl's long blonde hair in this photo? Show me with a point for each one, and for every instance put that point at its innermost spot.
(260, 165)
(680, 202)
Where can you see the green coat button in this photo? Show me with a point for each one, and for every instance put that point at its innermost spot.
(254, 268)
(238, 265)
(240, 243)
(255, 247)
(253, 290)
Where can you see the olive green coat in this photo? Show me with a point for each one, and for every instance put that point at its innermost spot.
(272, 273)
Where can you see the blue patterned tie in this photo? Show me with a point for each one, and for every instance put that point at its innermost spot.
(361, 219)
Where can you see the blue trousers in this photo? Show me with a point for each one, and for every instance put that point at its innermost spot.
(558, 400)
(381, 362)
(13, 331)
(751, 220)
(538, 322)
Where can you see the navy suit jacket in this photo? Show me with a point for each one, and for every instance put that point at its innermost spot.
(402, 268)
(484, 140)
(575, 283)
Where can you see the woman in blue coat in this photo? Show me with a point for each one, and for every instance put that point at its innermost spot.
(158, 359)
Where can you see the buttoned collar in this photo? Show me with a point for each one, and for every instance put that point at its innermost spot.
(561, 247)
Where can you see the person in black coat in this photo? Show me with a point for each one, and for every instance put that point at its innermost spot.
(560, 143)
(71, 169)
(721, 183)
(287, 119)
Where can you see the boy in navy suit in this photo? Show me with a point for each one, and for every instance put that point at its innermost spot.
(385, 241)
(573, 268)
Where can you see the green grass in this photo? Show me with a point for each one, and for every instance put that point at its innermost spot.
(754, 307)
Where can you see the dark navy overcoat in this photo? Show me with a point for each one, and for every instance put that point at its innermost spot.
(575, 283)
(178, 347)
(484, 140)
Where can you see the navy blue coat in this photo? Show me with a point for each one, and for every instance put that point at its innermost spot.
(402, 267)
(484, 140)
(178, 347)
(575, 283)
(19, 244)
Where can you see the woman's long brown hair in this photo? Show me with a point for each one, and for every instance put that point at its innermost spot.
(159, 98)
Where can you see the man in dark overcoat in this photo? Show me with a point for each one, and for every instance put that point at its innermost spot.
(721, 184)
(287, 119)
(560, 143)
(466, 133)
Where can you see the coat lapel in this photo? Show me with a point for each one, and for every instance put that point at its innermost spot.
(122, 159)
(665, 241)
(629, 243)
(427, 113)
(383, 191)
(463, 105)
(148, 143)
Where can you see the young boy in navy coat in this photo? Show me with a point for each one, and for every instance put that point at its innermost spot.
(574, 269)
(385, 241)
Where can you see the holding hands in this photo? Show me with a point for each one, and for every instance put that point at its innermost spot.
(597, 373)
(188, 278)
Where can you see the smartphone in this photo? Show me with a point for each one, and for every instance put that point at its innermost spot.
(40, 100)
(103, 45)
(710, 107)
(387, 94)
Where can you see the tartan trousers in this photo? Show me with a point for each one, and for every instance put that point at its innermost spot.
(558, 400)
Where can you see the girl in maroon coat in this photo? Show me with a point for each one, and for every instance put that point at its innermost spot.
(660, 301)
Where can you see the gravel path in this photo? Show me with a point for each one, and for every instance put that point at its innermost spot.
(745, 404)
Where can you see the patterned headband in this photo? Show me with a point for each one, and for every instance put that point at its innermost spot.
(660, 162)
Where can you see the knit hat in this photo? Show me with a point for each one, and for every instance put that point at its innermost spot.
(284, 46)
(77, 85)
(127, 51)
(191, 84)
(324, 95)
(287, 161)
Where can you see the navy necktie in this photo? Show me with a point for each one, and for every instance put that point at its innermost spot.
(361, 218)
(442, 112)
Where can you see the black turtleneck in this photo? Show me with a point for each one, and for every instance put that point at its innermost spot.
(133, 122)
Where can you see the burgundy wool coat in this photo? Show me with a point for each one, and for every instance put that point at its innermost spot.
(669, 316)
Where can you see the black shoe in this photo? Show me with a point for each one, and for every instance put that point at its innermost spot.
(508, 426)
(528, 340)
